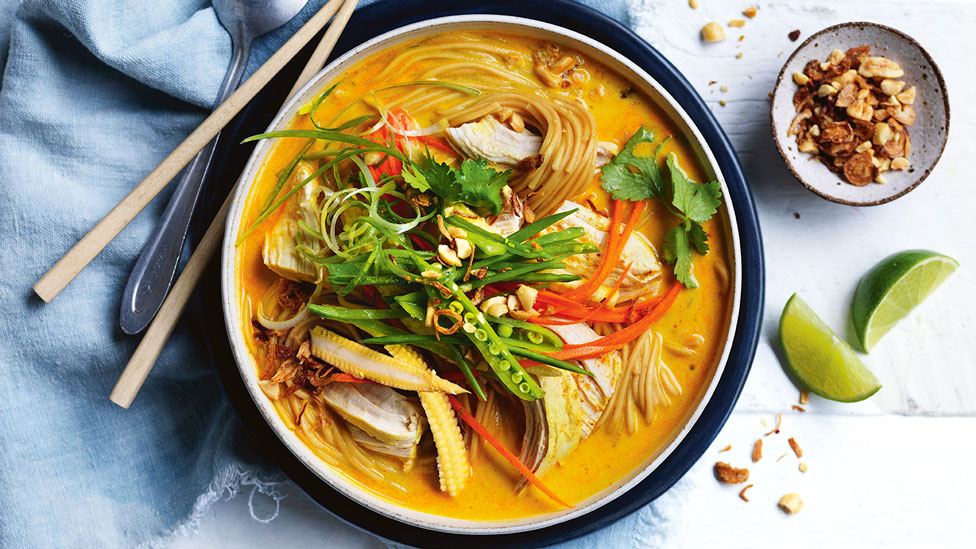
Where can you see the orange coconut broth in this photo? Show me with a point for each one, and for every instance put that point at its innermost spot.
(604, 458)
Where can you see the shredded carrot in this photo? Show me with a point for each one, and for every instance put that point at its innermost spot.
(571, 309)
(607, 262)
(347, 378)
(437, 143)
(620, 338)
(599, 308)
(497, 445)
(611, 256)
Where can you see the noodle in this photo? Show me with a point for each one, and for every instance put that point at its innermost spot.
(568, 146)
(645, 383)
(722, 270)
(406, 99)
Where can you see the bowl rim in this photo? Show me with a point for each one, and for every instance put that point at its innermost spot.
(944, 92)
(244, 361)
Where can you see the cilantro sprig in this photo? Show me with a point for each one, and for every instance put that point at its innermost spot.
(632, 176)
(476, 184)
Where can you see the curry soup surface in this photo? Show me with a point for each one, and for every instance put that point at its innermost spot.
(602, 459)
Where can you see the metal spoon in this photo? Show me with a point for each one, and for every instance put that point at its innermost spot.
(153, 273)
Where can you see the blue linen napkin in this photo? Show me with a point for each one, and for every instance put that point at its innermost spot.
(94, 94)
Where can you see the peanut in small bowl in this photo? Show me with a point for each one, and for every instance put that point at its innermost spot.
(860, 114)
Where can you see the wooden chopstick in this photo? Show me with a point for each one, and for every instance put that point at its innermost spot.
(146, 354)
(102, 233)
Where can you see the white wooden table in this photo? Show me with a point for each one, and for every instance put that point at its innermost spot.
(896, 470)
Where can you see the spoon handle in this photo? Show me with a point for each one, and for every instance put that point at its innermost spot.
(152, 276)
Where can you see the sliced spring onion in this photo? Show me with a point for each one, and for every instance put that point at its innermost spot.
(282, 324)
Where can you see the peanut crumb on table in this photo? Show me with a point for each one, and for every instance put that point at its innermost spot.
(730, 475)
(791, 503)
(796, 447)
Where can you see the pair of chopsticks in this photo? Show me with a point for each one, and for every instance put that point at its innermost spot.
(91, 244)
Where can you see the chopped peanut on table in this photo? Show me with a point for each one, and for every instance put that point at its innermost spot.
(791, 503)
(713, 32)
(731, 475)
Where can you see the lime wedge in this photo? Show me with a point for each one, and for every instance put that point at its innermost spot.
(893, 288)
(821, 360)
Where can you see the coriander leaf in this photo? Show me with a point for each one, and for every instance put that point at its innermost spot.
(696, 202)
(481, 185)
(668, 252)
(435, 177)
(415, 178)
(442, 180)
(620, 179)
(699, 238)
(677, 250)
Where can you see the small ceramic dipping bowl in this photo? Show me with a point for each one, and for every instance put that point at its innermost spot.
(928, 133)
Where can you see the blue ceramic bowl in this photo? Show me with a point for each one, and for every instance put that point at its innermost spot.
(673, 93)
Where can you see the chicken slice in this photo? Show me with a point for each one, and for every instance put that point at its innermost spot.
(644, 276)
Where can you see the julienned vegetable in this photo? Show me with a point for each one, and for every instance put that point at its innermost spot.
(635, 177)
(445, 259)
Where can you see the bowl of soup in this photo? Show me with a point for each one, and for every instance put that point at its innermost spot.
(479, 275)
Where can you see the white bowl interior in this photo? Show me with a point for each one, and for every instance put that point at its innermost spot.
(232, 311)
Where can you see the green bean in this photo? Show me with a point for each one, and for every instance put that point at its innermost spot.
(487, 246)
(533, 229)
(514, 273)
(545, 359)
(499, 357)
(511, 246)
(345, 314)
(554, 340)
(410, 339)
(465, 368)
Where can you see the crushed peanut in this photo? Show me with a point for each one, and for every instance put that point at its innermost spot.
(757, 451)
(693, 4)
(742, 493)
(737, 23)
(796, 447)
(738, 55)
(803, 467)
(726, 449)
(750, 12)
(730, 475)
(448, 256)
(713, 32)
(805, 396)
(799, 408)
(791, 503)
(852, 113)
